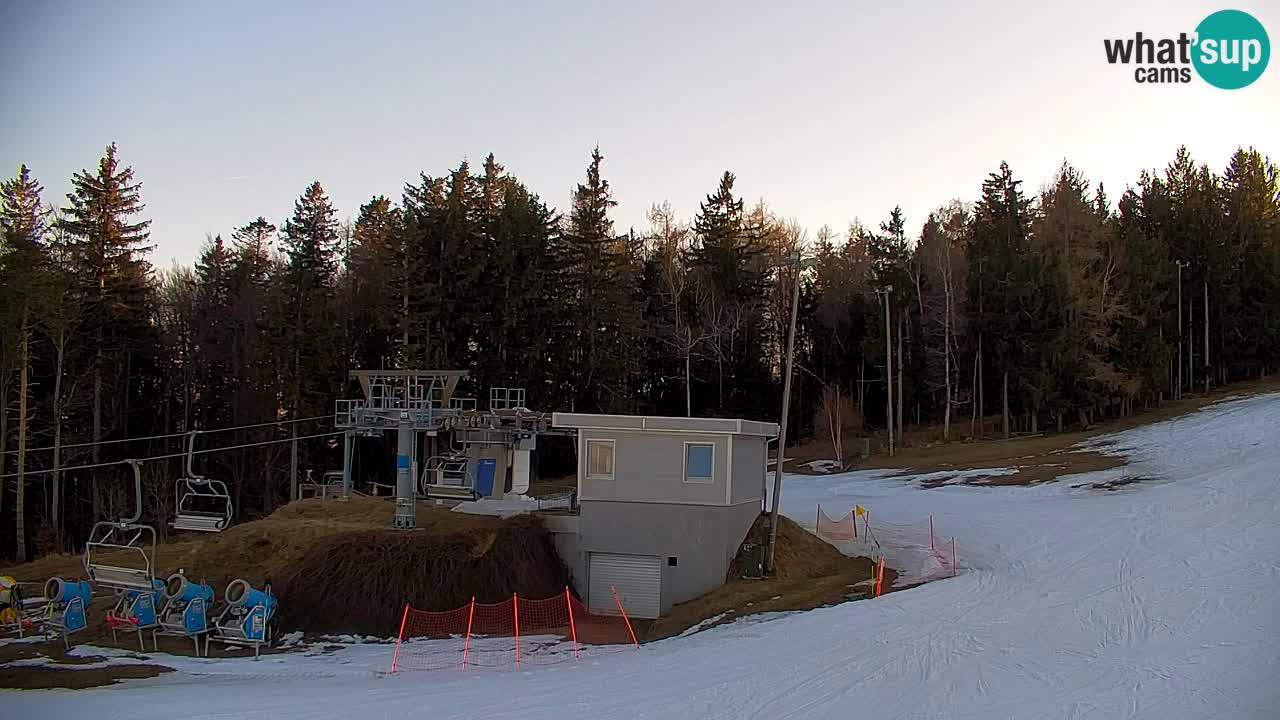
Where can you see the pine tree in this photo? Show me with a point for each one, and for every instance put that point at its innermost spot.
(374, 281)
(307, 343)
(600, 274)
(729, 260)
(23, 275)
(215, 334)
(110, 248)
(1250, 315)
(1000, 287)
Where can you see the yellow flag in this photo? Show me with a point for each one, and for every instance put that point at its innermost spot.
(859, 510)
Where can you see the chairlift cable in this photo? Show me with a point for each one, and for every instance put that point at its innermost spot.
(170, 435)
(171, 456)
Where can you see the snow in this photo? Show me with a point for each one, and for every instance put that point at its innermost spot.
(823, 466)
(1155, 600)
(505, 506)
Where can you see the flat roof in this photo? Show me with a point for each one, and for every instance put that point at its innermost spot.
(634, 423)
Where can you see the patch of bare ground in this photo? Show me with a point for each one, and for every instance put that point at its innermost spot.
(268, 549)
(48, 677)
(1040, 457)
(810, 573)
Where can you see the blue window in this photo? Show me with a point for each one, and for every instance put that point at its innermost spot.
(699, 459)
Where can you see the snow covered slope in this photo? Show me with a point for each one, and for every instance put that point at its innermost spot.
(1157, 600)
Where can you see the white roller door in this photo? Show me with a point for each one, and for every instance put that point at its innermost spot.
(638, 579)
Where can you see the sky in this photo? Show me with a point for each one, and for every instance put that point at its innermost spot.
(828, 111)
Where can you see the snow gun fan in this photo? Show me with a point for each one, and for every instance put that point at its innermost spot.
(65, 611)
(249, 618)
(118, 557)
(184, 612)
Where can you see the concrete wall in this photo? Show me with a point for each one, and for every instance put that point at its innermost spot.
(648, 466)
(702, 539)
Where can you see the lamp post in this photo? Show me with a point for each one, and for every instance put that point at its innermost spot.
(800, 265)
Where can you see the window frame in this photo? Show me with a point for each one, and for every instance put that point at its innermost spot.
(710, 479)
(613, 458)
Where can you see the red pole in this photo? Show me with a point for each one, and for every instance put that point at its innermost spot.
(466, 644)
(515, 603)
(953, 556)
(614, 590)
(879, 576)
(396, 657)
(568, 602)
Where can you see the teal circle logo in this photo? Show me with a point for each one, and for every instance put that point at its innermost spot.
(1232, 49)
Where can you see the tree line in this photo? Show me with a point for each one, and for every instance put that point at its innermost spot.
(1016, 312)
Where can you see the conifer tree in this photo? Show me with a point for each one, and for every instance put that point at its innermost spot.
(110, 249)
(600, 274)
(23, 270)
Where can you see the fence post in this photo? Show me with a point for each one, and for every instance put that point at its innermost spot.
(817, 520)
(614, 590)
(568, 602)
(953, 557)
(879, 576)
(931, 547)
(466, 644)
(396, 657)
(515, 605)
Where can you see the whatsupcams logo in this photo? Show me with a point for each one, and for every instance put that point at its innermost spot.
(1229, 50)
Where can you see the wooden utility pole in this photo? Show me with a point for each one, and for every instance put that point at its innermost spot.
(786, 406)
(20, 509)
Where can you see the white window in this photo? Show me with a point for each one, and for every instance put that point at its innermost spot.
(699, 462)
(599, 459)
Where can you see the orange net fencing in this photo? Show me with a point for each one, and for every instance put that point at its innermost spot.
(915, 550)
(514, 633)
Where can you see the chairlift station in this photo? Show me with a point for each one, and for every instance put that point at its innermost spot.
(661, 506)
(470, 453)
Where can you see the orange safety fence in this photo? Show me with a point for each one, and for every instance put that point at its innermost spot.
(514, 633)
(914, 550)
(845, 528)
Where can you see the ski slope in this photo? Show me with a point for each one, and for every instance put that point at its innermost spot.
(1157, 600)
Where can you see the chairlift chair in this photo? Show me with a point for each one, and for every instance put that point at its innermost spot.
(203, 504)
(447, 476)
(119, 557)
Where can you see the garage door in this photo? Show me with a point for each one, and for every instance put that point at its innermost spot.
(638, 579)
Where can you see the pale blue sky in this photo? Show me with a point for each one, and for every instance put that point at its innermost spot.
(830, 111)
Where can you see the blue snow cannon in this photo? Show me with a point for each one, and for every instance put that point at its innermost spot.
(57, 590)
(178, 589)
(256, 607)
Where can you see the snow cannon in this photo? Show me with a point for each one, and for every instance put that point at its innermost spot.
(61, 592)
(179, 590)
(68, 602)
(256, 607)
(248, 619)
(185, 610)
(243, 595)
